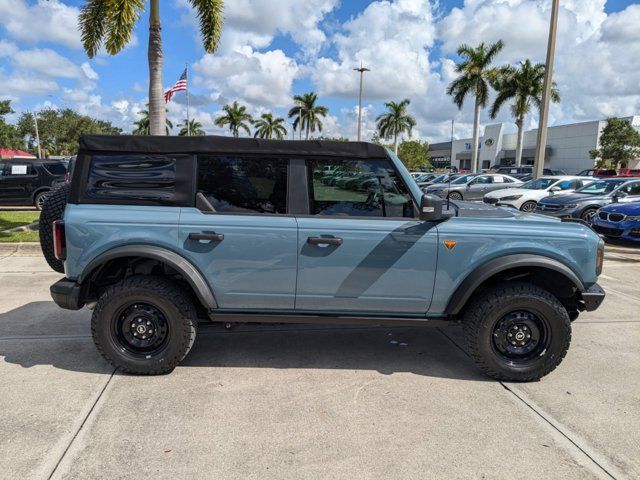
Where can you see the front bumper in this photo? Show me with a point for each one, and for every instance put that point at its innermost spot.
(624, 230)
(67, 294)
(593, 297)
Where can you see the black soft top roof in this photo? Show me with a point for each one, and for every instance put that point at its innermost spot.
(218, 144)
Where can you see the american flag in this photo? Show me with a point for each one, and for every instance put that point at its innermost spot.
(180, 85)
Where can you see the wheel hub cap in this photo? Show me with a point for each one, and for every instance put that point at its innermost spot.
(141, 328)
(518, 335)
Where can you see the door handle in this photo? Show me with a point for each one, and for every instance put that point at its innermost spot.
(324, 240)
(211, 236)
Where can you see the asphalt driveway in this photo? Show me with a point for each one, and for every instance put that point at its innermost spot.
(313, 402)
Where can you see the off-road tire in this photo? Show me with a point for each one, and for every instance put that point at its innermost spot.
(170, 299)
(528, 206)
(52, 210)
(455, 196)
(484, 313)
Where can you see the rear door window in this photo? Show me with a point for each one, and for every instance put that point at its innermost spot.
(362, 188)
(244, 184)
(140, 179)
(56, 168)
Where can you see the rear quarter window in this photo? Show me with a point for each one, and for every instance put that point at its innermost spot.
(55, 168)
(139, 178)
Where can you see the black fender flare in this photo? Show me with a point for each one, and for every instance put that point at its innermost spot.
(497, 265)
(190, 273)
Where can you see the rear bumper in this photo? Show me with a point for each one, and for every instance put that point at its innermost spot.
(67, 294)
(593, 297)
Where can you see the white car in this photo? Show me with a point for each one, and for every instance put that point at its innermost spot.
(526, 196)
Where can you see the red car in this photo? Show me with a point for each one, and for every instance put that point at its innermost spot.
(598, 172)
(629, 172)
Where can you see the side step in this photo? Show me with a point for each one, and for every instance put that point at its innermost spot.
(251, 317)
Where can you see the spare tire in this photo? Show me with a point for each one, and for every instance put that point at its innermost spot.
(52, 210)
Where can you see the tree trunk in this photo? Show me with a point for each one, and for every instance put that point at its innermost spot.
(307, 134)
(519, 146)
(475, 158)
(157, 112)
(395, 143)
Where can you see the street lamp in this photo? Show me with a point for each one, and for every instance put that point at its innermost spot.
(35, 122)
(361, 70)
(541, 144)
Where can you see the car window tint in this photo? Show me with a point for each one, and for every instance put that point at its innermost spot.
(631, 189)
(56, 168)
(362, 188)
(566, 185)
(244, 185)
(482, 179)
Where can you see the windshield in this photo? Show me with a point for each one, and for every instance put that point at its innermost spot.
(600, 187)
(463, 179)
(438, 179)
(539, 184)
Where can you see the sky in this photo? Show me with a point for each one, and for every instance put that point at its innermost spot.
(271, 50)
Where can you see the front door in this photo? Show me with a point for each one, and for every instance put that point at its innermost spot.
(247, 245)
(360, 248)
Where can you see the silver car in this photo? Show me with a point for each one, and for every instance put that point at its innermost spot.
(473, 186)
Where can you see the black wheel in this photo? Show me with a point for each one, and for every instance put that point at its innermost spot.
(144, 325)
(517, 332)
(455, 196)
(40, 199)
(52, 210)
(588, 215)
(528, 206)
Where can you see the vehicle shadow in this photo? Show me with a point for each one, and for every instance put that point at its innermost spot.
(423, 351)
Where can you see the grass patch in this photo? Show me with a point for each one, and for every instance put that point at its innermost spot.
(16, 219)
(19, 237)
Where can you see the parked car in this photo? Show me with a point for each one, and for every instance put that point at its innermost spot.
(585, 202)
(526, 196)
(629, 172)
(598, 173)
(520, 172)
(619, 220)
(28, 182)
(473, 186)
(232, 230)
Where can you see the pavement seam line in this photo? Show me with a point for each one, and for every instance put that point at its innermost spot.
(84, 421)
(531, 407)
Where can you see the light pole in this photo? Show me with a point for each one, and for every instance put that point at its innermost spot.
(541, 144)
(35, 122)
(361, 70)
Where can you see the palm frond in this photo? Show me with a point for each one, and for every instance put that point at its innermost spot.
(91, 23)
(121, 17)
(211, 19)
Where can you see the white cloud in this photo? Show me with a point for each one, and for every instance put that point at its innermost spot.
(390, 38)
(45, 21)
(250, 76)
(256, 22)
(48, 63)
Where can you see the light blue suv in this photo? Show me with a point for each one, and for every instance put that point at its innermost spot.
(159, 233)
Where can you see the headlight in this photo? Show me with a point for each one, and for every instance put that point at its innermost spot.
(632, 219)
(511, 197)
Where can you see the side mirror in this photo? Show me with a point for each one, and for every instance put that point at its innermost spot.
(431, 209)
(555, 190)
(617, 196)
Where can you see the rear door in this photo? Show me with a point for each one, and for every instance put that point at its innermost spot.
(361, 249)
(477, 187)
(19, 180)
(246, 246)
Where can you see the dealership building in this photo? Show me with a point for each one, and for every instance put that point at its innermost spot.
(567, 148)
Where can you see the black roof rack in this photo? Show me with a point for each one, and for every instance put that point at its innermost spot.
(219, 144)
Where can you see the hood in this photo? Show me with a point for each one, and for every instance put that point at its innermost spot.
(571, 198)
(629, 209)
(439, 186)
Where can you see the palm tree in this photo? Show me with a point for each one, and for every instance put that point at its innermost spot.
(476, 73)
(522, 84)
(194, 129)
(269, 127)
(307, 113)
(111, 23)
(236, 117)
(143, 126)
(395, 122)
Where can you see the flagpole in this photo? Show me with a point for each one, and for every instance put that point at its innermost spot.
(187, 78)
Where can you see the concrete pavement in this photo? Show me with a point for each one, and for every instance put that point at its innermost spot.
(312, 401)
